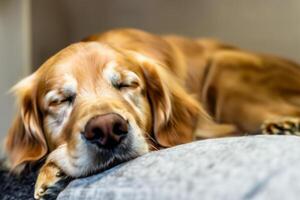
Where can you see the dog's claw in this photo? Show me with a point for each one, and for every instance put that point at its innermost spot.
(282, 126)
(51, 180)
(59, 174)
(39, 193)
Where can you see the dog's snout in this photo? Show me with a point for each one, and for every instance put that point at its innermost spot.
(107, 131)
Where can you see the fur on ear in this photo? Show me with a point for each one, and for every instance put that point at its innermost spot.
(175, 112)
(25, 141)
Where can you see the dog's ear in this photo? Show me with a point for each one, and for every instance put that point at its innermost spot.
(25, 141)
(175, 112)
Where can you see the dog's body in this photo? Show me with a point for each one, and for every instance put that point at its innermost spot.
(236, 87)
(129, 91)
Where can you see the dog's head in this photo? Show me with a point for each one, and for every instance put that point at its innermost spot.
(92, 105)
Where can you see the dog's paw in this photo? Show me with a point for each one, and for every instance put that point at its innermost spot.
(51, 180)
(282, 126)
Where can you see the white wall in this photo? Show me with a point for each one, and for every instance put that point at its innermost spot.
(14, 53)
(261, 25)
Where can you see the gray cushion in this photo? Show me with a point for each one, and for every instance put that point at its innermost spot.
(250, 167)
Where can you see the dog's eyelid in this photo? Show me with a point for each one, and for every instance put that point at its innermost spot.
(132, 78)
(53, 102)
(132, 84)
(59, 100)
(69, 98)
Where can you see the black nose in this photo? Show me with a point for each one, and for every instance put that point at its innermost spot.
(107, 131)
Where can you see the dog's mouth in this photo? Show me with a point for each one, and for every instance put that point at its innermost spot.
(106, 158)
(115, 157)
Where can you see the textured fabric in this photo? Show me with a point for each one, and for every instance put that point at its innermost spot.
(14, 187)
(250, 167)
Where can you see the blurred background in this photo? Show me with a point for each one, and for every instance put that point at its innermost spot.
(33, 30)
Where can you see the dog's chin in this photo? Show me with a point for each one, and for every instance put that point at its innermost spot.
(108, 158)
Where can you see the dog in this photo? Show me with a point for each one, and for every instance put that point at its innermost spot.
(120, 94)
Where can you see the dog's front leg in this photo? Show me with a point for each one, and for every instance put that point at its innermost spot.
(50, 181)
(211, 129)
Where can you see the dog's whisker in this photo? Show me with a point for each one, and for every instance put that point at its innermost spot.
(152, 141)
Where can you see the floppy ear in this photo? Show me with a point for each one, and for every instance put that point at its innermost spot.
(25, 141)
(175, 112)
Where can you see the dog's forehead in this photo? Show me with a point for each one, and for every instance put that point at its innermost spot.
(77, 60)
(87, 56)
(82, 64)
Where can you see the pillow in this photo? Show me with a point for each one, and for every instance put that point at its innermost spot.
(249, 167)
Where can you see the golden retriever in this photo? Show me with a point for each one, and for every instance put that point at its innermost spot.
(123, 93)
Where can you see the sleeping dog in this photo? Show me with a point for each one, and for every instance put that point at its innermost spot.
(123, 93)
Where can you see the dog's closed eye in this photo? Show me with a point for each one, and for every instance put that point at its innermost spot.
(126, 85)
(64, 100)
(60, 101)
